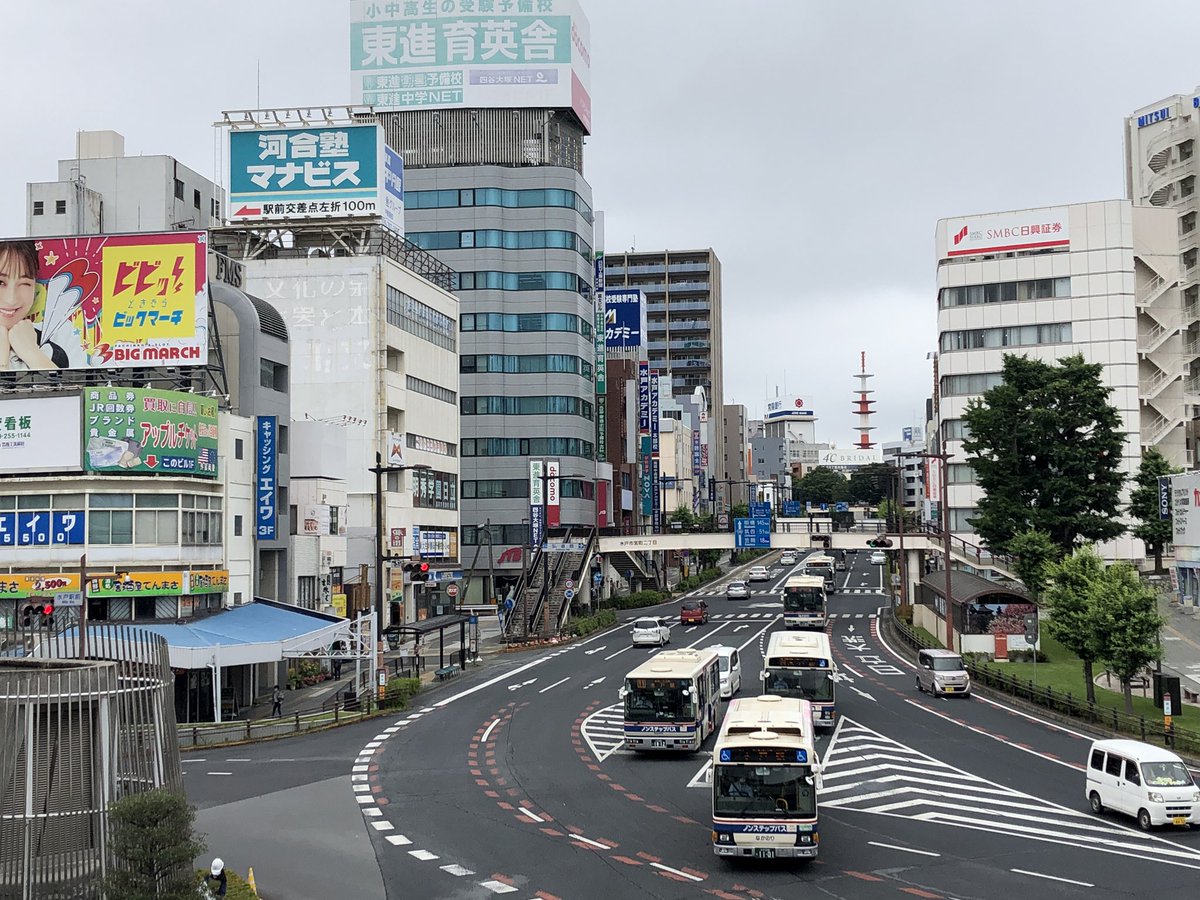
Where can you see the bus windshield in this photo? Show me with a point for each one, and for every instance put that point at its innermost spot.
(803, 600)
(649, 701)
(764, 792)
(806, 684)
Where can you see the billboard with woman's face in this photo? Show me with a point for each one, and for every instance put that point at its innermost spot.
(104, 301)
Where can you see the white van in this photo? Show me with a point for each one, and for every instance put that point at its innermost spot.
(1141, 780)
(731, 670)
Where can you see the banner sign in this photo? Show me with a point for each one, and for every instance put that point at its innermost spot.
(656, 499)
(537, 525)
(1029, 229)
(42, 528)
(655, 495)
(106, 301)
(647, 500)
(141, 430)
(751, 534)
(643, 398)
(791, 508)
(266, 459)
(598, 295)
(393, 190)
(159, 584)
(552, 507)
(305, 173)
(39, 435)
(624, 319)
(654, 424)
(22, 587)
(602, 426)
(1164, 496)
(472, 53)
(601, 502)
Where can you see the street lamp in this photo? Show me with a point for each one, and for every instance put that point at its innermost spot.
(379, 470)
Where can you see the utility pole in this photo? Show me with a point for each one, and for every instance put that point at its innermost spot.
(83, 586)
(945, 517)
(379, 470)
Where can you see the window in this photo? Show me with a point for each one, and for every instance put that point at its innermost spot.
(415, 317)
(237, 526)
(960, 473)
(201, 528)
(963, 385)
(214, 208)
(60, 207)
(429, 389)
(526, 406)
(494, 238)
(960, 519)
(292, 520)
(533, 364)
(272, 375)
(1014, 336)
(1097, 759)
(500, 534)
(110, 526)
(196, 199)
(522, 199)
(430, 445)
(239, 448)
(549, 446)
(178, 189)
(306, 589)
(525, 322)
(955, 430)
(495, 489)
(1113, 765)
(281, 438)
(39, 207)
(1132, 775)
(520, 281)
(156, 526)
(1004, 292)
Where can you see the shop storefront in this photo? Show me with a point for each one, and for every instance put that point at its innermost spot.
(119, 596)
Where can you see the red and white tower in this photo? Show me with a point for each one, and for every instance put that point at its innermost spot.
(863, 405)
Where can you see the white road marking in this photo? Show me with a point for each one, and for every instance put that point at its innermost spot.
(488, 732)
(595, 649)
(756, 635)
(740, 627)
(687, 875)
(531, 814)
(397, 840)
(186, 761)
(526, 683)
(374, 812)
(556, 684)
(589, 841)
(711, 631)
(905, 849)
(594, 683)
(218, 773)
(456, 870)
(423, 855)
(382, 826)
(701, 778)
(239, 759)
(498, 887)
(618, 653)
(851, 671)
(1052, 877)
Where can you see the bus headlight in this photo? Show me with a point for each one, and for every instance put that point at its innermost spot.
(804, 839)
(722, 837)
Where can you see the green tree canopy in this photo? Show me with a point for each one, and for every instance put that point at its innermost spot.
(1046, 447)
(1033, 554)
(822, 485)
(1068, 595)
(869, 484)
(1143, 504)
(153, 842)
(1126, 614)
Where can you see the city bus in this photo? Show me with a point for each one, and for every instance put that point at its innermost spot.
(800, 665)
(671, 700)
(822, 566)
(765, 777)
(804, 602)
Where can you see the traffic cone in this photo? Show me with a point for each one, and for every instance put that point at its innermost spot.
(250, 881)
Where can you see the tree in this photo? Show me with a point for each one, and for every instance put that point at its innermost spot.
(822, 485)
(869, 484)
(1033, 554)
(153, 844)
(1046, 448)
(1068, 595)
(1126, 615)
(1143, 505)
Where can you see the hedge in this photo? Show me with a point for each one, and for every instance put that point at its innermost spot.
(399, 692)
(640, 599)
(588, 624)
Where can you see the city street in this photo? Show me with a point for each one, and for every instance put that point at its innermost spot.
(518, 784)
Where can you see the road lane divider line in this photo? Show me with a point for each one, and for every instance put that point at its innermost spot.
(556, 684)
(534, 816)
(851, 671)
(488, 731)
(688, 875)
(759, 633)
(218, 773)
(618, 653)
(709, 633)
(1052, 877)
(589, 842)
(904, 849)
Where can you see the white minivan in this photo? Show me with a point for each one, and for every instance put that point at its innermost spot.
(731, 670)
(1147, 782)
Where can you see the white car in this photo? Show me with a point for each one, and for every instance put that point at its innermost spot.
(654, 631)
(737, 589)
(788, 559)
(878, 558)
(759, 573)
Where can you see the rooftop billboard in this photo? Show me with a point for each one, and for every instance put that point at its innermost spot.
(104, 301)
(438, 54)
(138, 430)
(1008, 232)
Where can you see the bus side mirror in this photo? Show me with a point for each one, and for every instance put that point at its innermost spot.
(762, 676)
(622, 693)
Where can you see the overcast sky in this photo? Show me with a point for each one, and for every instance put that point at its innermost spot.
(812, 145)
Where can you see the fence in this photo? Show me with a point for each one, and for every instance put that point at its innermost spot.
(1063, 702)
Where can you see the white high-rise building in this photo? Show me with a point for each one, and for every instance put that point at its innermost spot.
(1099, 279)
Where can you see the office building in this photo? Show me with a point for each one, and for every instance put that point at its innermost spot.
(1161, 168)
(1095, 279)
(911, 481)
(683, 336)
(734, 447)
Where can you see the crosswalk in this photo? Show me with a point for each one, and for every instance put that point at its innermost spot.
(868, 772)
(775, 615)
(766, 592)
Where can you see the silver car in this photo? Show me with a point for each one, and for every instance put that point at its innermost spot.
(651, 630)
(942, 672)
(737, 589)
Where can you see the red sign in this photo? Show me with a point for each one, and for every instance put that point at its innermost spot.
(601, 503)
(552, 517)
(510, 557)
(1001, 646)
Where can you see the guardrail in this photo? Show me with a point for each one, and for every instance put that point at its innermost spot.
(1063, 703)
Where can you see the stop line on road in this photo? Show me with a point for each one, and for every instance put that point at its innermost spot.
(868, 772)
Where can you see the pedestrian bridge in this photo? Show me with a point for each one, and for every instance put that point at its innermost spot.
(811, 536)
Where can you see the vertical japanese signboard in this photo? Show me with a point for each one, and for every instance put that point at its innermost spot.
(643, 398)
(537, 525)
(140, 430)
(656, 497)
(601, 357)
(266, 461)
(624, 321)
(303, 173)
(393, 190)
(696, 471)
(552, 487)
(106, 301)
(472, 53)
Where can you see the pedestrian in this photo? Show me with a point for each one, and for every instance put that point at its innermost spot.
(277, 702)
(216, 875)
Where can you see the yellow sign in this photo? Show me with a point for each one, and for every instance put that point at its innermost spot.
(339, 604)
(147, 290)
(21, 587)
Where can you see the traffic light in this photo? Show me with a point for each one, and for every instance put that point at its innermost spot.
(47, 616)
(30, 615)
(881, 542)
(417, 571)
